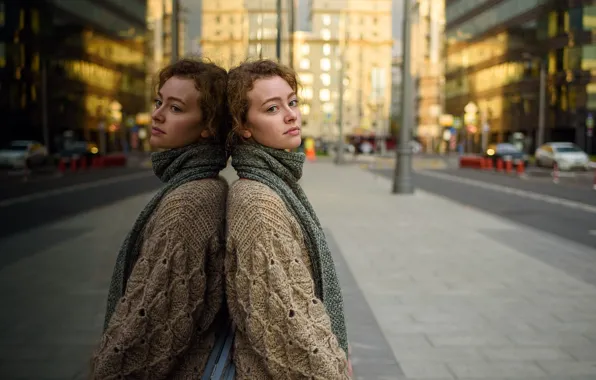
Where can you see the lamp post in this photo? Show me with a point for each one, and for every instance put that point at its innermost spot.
(339, 156)
(402, 178)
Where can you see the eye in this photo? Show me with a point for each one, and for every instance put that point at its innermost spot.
(272, 109)
(157, 103)
(175, 109)
(294, 103)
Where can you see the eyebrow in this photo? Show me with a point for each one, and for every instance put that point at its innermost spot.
(171, 98)
(278, 98)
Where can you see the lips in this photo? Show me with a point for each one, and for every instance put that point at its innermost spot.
(157, 131)
(292, 131)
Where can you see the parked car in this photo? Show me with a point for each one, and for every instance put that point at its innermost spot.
(79, 149)
(506, 152)
(23, 153)
(566, 155)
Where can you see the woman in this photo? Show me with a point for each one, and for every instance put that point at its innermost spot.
(282, 290)
(167, 286)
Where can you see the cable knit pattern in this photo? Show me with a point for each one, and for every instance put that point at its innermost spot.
(162, 326)
(283, 329)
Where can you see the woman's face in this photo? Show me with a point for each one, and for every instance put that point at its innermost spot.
(176, 120)
(273, 118)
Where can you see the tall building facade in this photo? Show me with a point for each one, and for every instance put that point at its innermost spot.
(495, 50)
(77, 64)
(357, 35)
(236, 30)
(428, 22)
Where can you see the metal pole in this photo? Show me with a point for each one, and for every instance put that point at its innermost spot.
(542, 105)
(175, 29)
(44, 105)
(292, 30)
(402, 178)
(278, 41)
(339, 157)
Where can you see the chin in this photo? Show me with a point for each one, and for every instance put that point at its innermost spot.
(295, 142)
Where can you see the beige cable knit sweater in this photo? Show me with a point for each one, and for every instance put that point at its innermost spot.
(162, 327)
(283, 330)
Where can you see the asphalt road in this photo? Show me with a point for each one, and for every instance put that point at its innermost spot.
(27, 205)
(565, 211)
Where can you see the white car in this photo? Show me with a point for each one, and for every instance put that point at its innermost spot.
(21, 153)
(566, 155)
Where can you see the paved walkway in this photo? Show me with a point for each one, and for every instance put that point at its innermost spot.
(458, 293)
(433, 290)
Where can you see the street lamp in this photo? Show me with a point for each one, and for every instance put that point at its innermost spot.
(339, 156)
(402, 178)
(541, 100)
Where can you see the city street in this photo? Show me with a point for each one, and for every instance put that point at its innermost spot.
(565, 209)
(433, 289)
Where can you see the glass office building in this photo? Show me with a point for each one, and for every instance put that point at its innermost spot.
(495, 49)
(79, 63)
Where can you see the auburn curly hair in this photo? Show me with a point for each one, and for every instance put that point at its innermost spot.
(241, 80)
(211, 81)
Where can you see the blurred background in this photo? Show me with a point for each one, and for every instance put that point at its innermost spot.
(481, 111)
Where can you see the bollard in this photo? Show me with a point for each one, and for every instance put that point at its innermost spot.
(73, 165)
(594, 183)
(508, 166)
(499, 165)
(555, 173)
(61, 165)
(520, 168)
(489, 164)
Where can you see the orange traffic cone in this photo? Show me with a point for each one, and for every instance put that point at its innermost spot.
(311, 155)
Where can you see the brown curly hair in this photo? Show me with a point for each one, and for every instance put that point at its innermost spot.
(211, 81)
(241, 80)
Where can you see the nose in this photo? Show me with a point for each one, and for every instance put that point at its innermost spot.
(290, 116)
(157, 115)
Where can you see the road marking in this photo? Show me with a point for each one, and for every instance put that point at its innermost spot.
(70, 189)
(509, 190)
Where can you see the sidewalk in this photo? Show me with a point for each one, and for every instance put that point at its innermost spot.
(433, 290)
(458, 293)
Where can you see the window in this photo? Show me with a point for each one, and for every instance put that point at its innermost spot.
(306, 93)
(325, 64)
(324, 95)
(217, 19)
(325, 34)
(35, 20)
(326, 49)
(22, 19)
(305, 49)
(326, 20)
(326, 79)
(1, 14)
(305, 78)
(305, 63)
(305, 109)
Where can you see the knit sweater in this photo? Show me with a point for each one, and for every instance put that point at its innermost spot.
(162, 327)
(283, 330)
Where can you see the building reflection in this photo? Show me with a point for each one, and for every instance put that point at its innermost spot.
(494, 53)
(93, 54)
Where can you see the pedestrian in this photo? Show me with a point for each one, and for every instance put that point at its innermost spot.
(167, 287)
(281, 286)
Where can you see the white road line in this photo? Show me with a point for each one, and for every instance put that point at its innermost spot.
(509, 190)
(70, 189)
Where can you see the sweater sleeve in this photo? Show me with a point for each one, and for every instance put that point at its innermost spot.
(156, 319)
(278, 312)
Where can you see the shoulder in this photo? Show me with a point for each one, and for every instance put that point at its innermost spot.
(255, 208)
(194, 201)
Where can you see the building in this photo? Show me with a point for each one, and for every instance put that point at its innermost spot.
(356, 34)
(224, 35)
(494, 54)
(236, 30)
(159, 25)
(77, 64)
(427, 67)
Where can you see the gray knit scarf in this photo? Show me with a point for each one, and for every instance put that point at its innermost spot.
(281, 170)
(174, 168)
